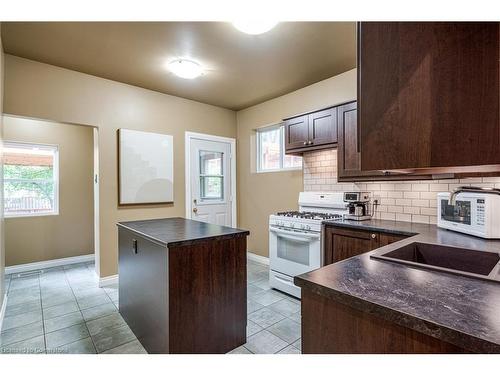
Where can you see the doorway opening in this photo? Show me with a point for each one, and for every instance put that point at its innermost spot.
(51, 197)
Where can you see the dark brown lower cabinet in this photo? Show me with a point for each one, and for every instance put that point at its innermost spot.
(189, 298)
(342, 243)
(335, 328)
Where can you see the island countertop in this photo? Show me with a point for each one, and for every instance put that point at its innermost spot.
(460, 310)
(179, 231)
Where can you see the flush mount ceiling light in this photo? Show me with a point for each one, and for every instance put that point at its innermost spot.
(184, 68)
(254, 27)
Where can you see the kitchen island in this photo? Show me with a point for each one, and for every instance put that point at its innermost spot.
(368, 305)
(183, 285)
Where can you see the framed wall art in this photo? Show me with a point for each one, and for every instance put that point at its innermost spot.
(145, 168)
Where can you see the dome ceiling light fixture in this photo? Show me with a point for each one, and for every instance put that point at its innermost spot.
(185, 68)
(254, 27)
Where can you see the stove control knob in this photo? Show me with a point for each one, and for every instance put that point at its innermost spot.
(308, 227)
(302, 226)
(292, 225)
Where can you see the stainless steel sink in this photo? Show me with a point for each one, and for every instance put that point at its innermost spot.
(475, 263)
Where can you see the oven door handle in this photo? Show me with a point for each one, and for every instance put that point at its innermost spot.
(303, 237)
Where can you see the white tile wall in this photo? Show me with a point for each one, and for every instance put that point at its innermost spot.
(399, 200)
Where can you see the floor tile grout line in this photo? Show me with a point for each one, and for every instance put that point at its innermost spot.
(41, 312)
(27, 338)
(114, 347)
(86, 325)
(79, 309)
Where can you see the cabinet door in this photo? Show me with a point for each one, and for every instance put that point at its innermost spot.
(428, 94)
(348, 156)
(386, 239)
(323, 127)
(342, 243)
(296, 132)
(143, 289)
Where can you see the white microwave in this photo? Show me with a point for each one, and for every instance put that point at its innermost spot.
(475, 213)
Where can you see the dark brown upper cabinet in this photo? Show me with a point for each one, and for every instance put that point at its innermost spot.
(313, 131)
(428, 95)
(349, 155)
(297, 132)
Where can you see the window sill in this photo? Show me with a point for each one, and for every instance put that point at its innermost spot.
(18, 216)
(280, 170)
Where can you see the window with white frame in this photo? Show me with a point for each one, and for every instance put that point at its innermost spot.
(271, 150)
(31, 179)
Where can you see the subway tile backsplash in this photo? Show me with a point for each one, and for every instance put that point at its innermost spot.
(413, 201)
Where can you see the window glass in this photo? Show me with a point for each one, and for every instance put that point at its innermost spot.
(30, 179)
(292, 161)
(211, 175)
(271, 151)
(211, 163)
(211, 187)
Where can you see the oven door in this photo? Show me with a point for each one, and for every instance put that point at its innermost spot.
(294, 252)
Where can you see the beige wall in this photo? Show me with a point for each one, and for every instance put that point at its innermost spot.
(2, 245)
(71, 233)
(261, 194)
(43, 91)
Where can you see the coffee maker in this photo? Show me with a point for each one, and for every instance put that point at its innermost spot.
(358, 204)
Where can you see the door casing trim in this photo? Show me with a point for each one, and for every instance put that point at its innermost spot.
(187, 162)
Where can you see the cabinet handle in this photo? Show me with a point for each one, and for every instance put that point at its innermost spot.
(134, 246)
(374, 235)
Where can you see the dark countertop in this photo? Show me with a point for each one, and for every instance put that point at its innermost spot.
(460, 310)
(179, 231)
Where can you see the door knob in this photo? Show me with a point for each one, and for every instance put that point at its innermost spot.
(195, 210)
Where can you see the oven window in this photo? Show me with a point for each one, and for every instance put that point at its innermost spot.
(293, 251)
(459, 213)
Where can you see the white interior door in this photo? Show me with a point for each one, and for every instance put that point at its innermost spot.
(210, 169)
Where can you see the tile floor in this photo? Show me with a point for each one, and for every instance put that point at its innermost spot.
(62, 310)
(273, 324)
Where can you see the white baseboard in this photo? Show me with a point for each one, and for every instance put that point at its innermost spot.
(258, 258)
(108, 280)
(2, 310)
(48, 264)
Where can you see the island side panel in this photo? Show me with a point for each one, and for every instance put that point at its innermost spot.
(208, 284)
(330, 327)
(143, 288)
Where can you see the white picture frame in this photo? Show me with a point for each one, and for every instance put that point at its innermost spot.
(145, 168)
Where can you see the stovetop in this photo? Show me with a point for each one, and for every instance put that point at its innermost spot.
(310, 215)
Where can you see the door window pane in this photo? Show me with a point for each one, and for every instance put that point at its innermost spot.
(211, 175)
(211, 187)
(30, 179)
(211, 163)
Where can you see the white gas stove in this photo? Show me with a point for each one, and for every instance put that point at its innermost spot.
(295, 237)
